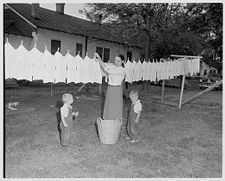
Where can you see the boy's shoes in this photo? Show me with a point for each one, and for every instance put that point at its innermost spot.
(127, 138)
(134, 141)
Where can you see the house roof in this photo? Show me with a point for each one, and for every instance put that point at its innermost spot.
(53, 20)
(13, 24)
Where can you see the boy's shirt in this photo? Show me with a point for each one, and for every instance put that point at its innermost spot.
(64, 110)
(137, 106)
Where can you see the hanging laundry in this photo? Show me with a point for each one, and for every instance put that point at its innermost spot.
(150, 71)
(87, 71)
(34, 64)
(96, 69)
(21, 62)
(79, 68)
(9, 60)
(144, 70)
(127, 68)
(71, 68)
(136, 73)
(48, 67)
(139, 67)
(60, 67)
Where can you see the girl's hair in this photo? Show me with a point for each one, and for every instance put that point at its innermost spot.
(133, 92)
(122, 58)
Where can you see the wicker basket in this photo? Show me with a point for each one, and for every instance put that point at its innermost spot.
(109, 130)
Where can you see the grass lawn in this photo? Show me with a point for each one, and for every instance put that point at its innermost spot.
(182, 143)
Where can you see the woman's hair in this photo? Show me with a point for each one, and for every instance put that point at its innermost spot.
(122, 58)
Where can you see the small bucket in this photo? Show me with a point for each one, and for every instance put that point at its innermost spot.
(109, 130)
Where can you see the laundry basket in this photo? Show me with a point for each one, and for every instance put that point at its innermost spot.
(109, 130)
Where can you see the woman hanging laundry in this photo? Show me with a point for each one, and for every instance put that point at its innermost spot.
(113, 107)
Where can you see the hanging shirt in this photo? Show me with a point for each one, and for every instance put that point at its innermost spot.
(9, 61)
(21, 62)
(150, 71)
(144, 70)
(136, 73)
(71, 68)
(97, 72)
(48, 65)
(60, 67)
(79, 69)
(140, 72)
(86, 70)
(35, 64)
(128, 77)
(116, 75)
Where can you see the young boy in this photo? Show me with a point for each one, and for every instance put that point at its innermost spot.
(66, 124)
(135, 112)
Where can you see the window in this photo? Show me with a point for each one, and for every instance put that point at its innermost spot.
(99, 50)
(79, 48)
(104, 53)
(129, 56)
(55, 44)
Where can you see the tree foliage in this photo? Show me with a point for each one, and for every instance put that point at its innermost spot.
(174, 28)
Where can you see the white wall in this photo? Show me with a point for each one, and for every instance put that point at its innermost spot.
(115, 49)
(68, 42)
(15, 41)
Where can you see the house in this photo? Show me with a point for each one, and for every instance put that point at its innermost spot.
(56, 30)
(209, 67)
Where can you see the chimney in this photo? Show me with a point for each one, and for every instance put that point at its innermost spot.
(34, 10)
(60, 8)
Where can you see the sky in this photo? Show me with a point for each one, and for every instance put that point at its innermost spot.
(69, 9)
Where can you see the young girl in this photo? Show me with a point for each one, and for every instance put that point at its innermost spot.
(133, 119)
(66, 124)
(113, 107)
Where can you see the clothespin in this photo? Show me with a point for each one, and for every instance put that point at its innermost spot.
(46, 47)
(7, 40)
(58, 49)
(78, 53)
(21, 43)
(35, 45)
(68, 51)
(86, 54)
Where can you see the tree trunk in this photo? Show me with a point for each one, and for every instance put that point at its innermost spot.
(147, 46)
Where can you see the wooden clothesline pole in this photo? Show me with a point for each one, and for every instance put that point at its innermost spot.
(162, 91)
(181, 91)
(203, 92)
(185, 56)
(51, 89)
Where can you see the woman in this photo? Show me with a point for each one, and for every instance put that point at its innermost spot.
(113, 107)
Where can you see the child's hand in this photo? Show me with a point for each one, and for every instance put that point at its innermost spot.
(76, 113)
(65, 125)
(136, 120)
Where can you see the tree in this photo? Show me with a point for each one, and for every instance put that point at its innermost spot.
(173, 28)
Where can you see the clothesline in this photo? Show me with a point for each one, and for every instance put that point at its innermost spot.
(35, 65)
